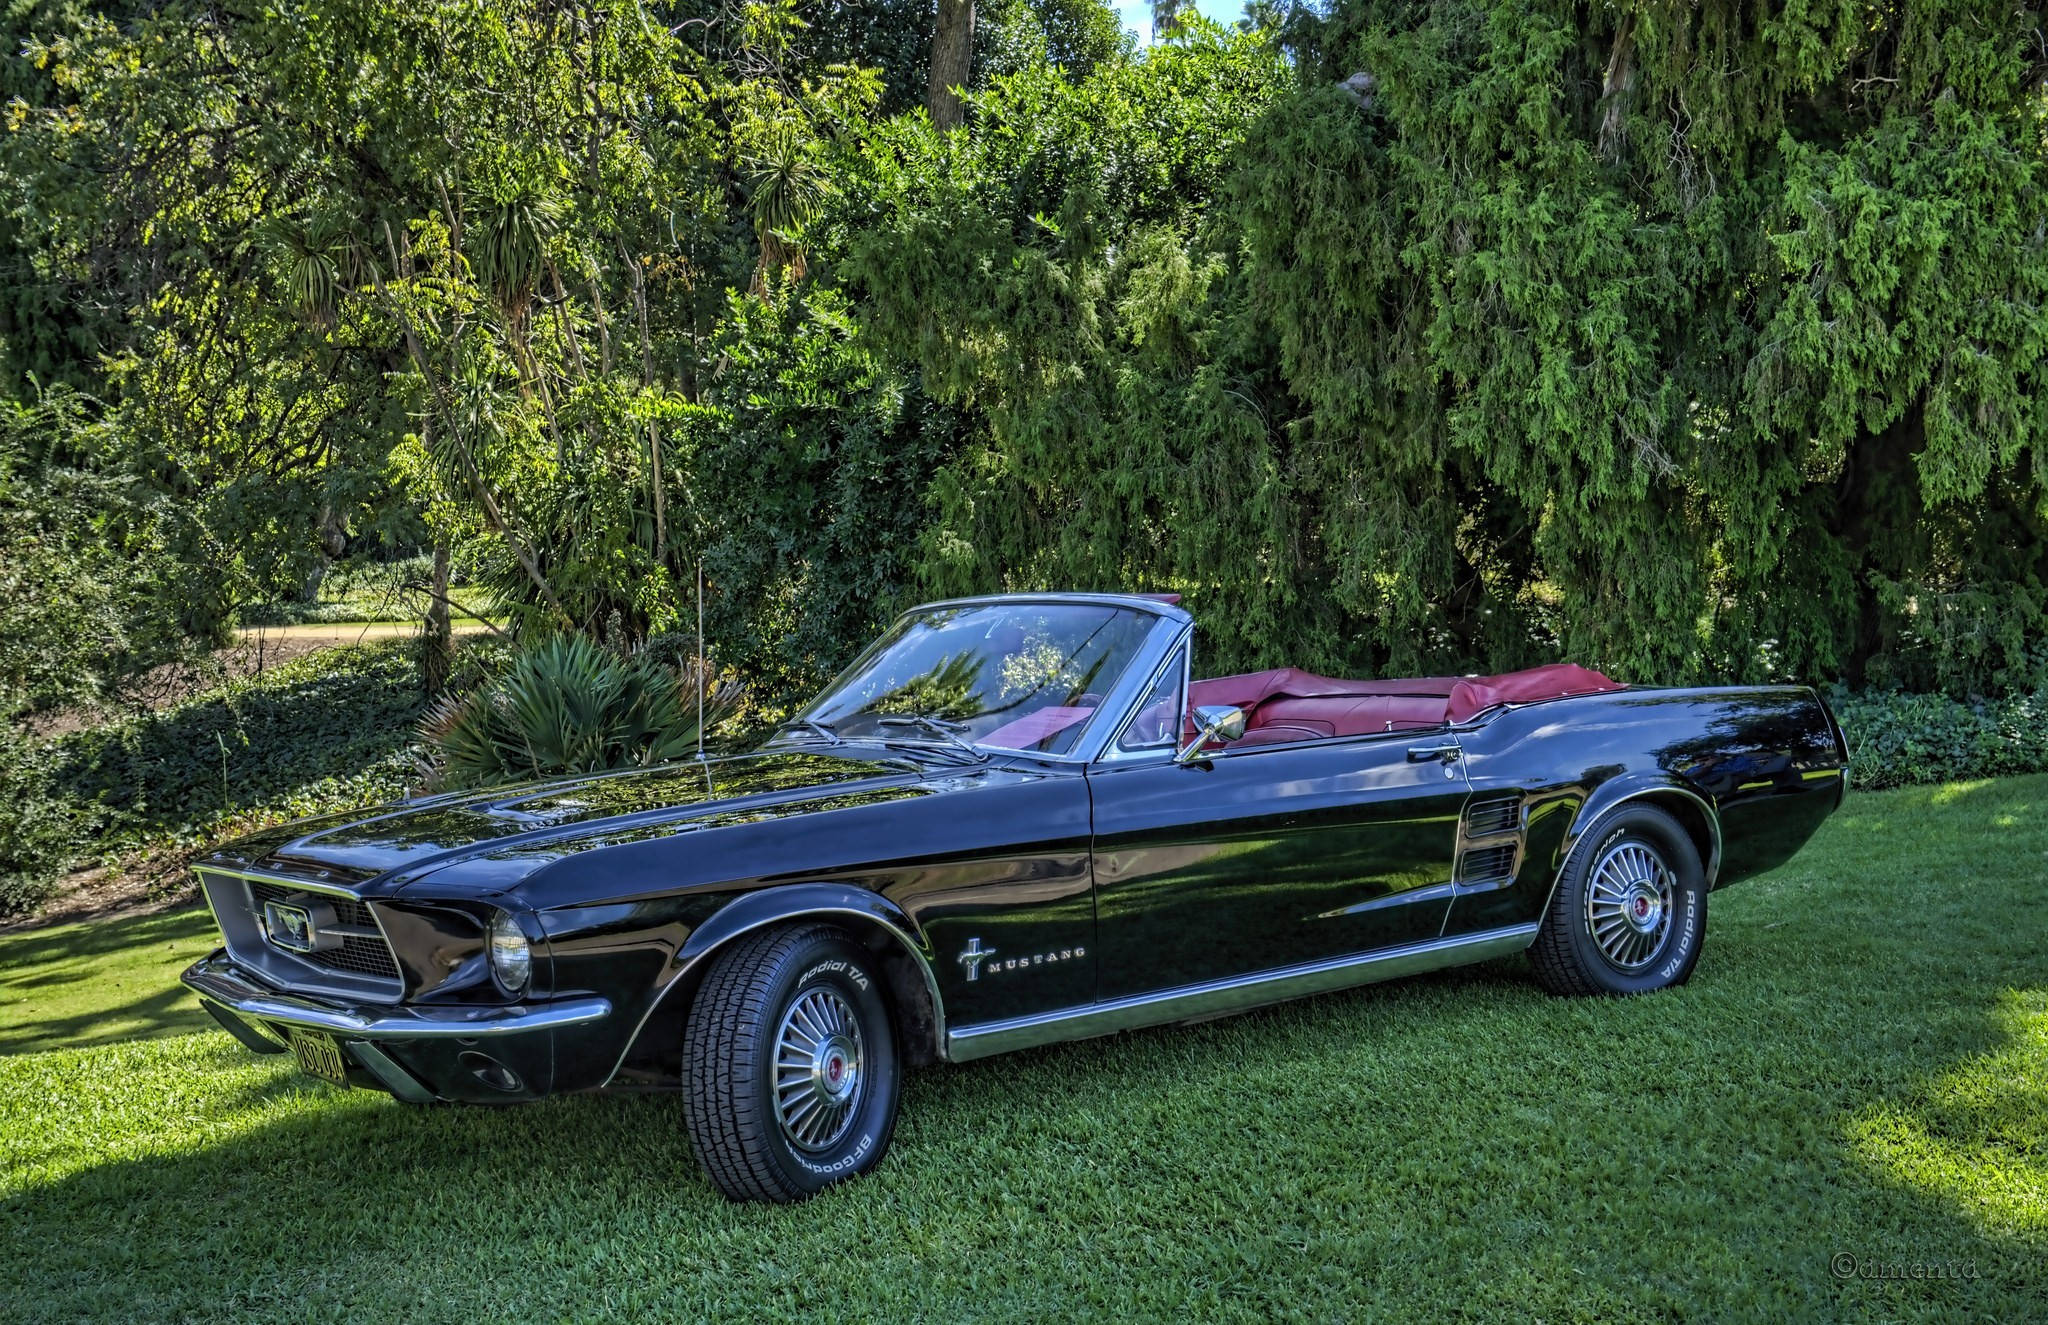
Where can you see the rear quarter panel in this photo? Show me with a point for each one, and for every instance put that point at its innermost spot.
(1768, 761)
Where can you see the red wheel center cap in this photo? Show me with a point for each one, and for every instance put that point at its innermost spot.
(1642, 907)
(833, 1068)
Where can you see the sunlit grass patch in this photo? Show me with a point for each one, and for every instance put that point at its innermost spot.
(1976, 1135)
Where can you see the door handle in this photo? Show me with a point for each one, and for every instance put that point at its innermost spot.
(1446, 751)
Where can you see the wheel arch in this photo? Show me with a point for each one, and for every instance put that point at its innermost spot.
(909, 985)
(1694, 812)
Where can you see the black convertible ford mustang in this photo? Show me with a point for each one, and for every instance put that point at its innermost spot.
(1013, 820)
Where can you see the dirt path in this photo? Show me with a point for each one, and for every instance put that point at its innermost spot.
(330, 633)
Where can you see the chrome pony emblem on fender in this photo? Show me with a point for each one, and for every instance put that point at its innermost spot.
(973, 955)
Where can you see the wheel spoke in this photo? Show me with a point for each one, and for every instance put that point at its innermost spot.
(1630, 892)
(817, 1078)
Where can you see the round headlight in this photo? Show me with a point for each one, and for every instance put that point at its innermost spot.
(511, 957)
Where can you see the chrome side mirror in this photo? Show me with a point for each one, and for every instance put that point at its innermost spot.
(1213, 722)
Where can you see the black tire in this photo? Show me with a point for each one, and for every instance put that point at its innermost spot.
(749, 1146)
(1604, 941)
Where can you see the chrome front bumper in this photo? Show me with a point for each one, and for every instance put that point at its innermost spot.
(218, 979)
(258, 1016)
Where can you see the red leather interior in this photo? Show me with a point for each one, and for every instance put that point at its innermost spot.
(1288, 704)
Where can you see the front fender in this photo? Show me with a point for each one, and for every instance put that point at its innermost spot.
(768, 906)
(868, 911)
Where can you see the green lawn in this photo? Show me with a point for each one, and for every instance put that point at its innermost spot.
(1859, 1068)
(101, 982)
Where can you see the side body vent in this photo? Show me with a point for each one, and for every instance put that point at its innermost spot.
(1487, 864)
(1501, 815)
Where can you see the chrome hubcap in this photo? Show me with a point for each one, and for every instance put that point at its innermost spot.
(817, 1069)
(1628, 904)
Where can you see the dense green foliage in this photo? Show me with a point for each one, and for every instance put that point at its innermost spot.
(328, 731)
(89, 593)
(570, 706)
(1451, 1148)
(1694, 342)
(1897, 739)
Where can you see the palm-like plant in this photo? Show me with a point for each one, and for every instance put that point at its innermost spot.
(786, 188)
(318, 260)
(571, 706)
(509, 247)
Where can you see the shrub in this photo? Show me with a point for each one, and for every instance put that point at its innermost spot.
(327, 731)
(40, 834)
(1896, 739)
(570, 706)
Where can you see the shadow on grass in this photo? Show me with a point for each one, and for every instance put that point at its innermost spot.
(254, 742)
(100, 982)
(68, 943)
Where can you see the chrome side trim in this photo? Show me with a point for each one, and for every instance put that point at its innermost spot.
(218, 978)
(895, 931)
(1237, 994)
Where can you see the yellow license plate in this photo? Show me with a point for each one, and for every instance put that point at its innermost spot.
(319, 1056)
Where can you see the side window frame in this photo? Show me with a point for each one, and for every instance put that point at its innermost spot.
(1181, 659)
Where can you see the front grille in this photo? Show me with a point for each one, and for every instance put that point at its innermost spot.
(1485, 864)
(362, 950)
(1495, 816)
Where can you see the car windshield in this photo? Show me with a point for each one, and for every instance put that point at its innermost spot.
(1017, 676)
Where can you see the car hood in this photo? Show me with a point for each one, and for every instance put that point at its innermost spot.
(380, 850)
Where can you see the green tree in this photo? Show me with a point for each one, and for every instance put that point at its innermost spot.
(1695, 343)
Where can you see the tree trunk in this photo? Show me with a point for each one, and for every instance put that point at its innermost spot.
(952, 62)
(1165, 19)
(437, 656)
(1877, 508)
(332, 538)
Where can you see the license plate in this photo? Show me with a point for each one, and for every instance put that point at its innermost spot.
(319, 1056)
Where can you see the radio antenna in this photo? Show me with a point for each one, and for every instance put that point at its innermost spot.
(703, 663)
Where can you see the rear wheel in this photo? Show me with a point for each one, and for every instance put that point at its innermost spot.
(791, 1065)
(1629, 914)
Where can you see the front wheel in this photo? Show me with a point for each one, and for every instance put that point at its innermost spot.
(791, 1065)
(1629, 914)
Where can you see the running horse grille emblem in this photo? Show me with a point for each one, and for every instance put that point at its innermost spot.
(289, 927)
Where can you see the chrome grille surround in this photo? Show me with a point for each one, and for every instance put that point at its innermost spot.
(360, 967)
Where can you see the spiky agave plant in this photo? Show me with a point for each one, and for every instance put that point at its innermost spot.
(570, 706)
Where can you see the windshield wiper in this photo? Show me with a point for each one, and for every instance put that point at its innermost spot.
(950, 732)
(811, 725)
